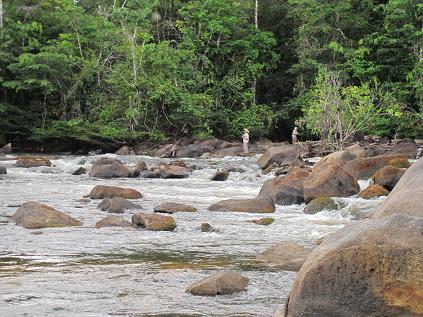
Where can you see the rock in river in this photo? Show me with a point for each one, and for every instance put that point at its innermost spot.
(103, 191)
(255, 205)
(388, 176)
(372, 191)
(33, 215)
(371, 268)
(222, 283)
(108, 168)
(154, 222)
(171, 208)
(117, 205)
(113, 221)
(3, 170)
(29, 161)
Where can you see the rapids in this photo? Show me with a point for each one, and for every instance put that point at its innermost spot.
(83, 271)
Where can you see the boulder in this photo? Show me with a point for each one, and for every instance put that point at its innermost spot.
(286, 190)
(255, 205)
(173, 170)
(113, 221)
(329, 180)
(171, 208)
(364, 168)
(3, 170)
(388, 176)
(339, 158)
(320, 204)
(357, 151)
(285, 256)
(109, 168)
(136, 170)
(222, 283)
(370, 268)
(372, 191)
(125, 150)
(29, 161)
(103, 191)
(220, 176)
(80, 171)
(117, 205)
(284, 155)
(406, 197)
(206, 227)
(33, 215)
(6, 148)
(263, 221)
(194, 150)
(228, 151)
(407, 147)
(154, 222)
(164, 151)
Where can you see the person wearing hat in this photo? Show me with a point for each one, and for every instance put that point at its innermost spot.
(245, 140)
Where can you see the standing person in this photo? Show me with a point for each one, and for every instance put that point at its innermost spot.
(245, 140)
(295, 135)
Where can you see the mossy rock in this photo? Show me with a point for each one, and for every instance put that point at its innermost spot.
(263, 221)
(320, 204)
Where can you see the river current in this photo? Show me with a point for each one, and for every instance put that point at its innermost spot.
(83, 271)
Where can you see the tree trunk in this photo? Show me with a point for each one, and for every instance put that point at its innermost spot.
(254, 85)
(1, 14)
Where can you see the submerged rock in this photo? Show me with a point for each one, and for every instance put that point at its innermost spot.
(117, 205)
(263, 221)
(33, 215)
(103, 191)
(80, 171)
(28, 161)
(222, 283)
(220, 176)
(388, 176)
(370, 268)
(372, 191)
(3, 170)
(255, 205)
(154, 222)
(171, 208)
(113, 221)
(406, 197)
(320, 204)
(109, 168)
(206, 227)
(285, 256)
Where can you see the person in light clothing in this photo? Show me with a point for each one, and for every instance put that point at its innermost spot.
(245, 140)
(295, 135)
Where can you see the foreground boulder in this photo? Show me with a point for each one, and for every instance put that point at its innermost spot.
(109, 168)
(256, 205)
(117, 205)
(372, 191)
(284, 155)
(3, 170)
(286, 190)
(364, 168)
(113, 221)
(285, 256)
(388, 176)
(28, 161)
(171, 208)
(33, 215)
(406, 197)
(103, 191)
(154, 222)
(407, 147)
(222, 283)
(369, 268)
(320, 204)
(6, 148)
(329, 180)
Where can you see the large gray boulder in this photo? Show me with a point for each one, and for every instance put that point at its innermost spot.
(222, 283)
(33, 215)
(255, 205)
(406, 197)
(284, 155)
(109, 168)
(103, 191)
(371, 268)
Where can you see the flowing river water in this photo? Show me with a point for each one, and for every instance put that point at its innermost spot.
(83, 271)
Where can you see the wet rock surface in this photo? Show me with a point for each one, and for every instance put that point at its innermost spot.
(222, 283)
(103, 191)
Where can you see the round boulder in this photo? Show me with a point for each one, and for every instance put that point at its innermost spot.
(372, 191)
(370, 268)
(171, 208)
(388, 176)
(113, 221)
(103, 191)
(222, 283)
(33, 215)
(154, 222)
(255, 205)
(109, 168)
(28, 161)
(117, 205)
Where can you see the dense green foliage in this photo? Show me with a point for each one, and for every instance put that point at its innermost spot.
(129, 70)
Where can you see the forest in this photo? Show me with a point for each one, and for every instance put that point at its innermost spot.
(135, 70)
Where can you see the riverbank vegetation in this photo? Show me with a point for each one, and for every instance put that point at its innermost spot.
(130, 70)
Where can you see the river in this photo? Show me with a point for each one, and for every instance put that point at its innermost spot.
(85, 271)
